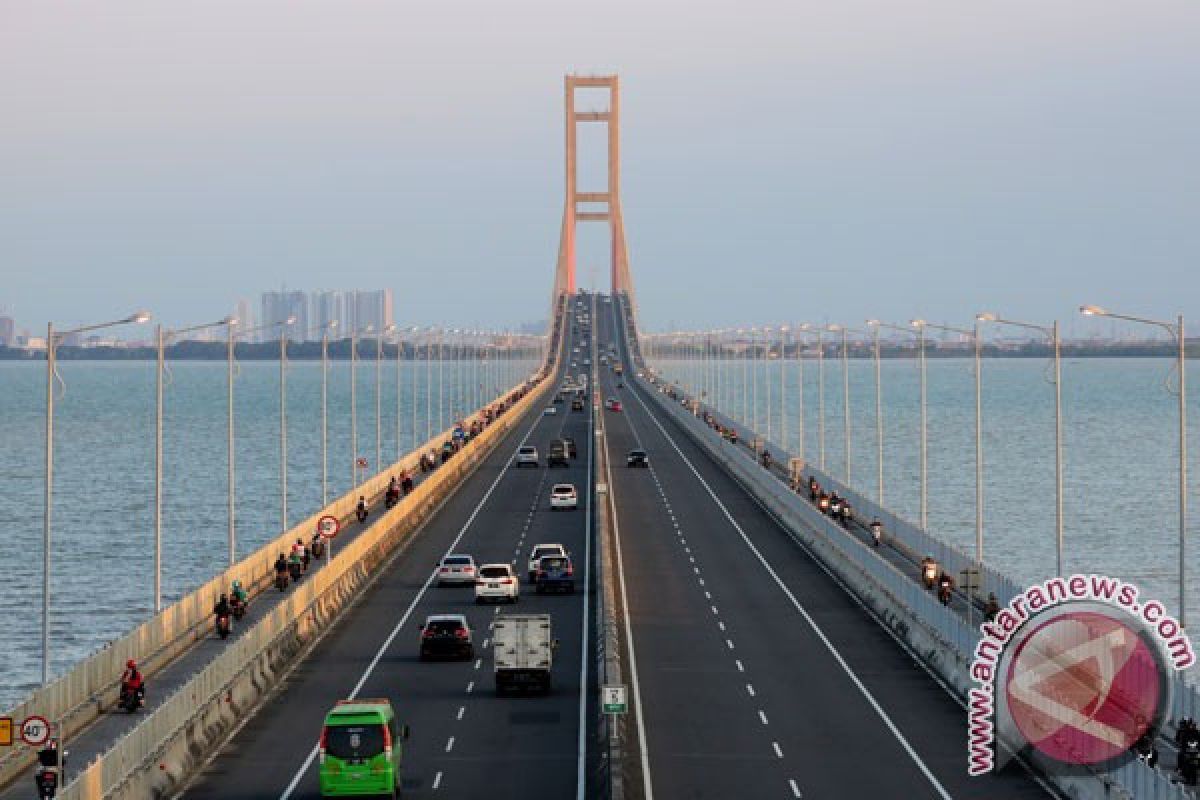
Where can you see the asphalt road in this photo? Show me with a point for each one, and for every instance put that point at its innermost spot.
(465, 741)
(758, 675)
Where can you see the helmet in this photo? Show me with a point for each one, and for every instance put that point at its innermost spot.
(237, 584)
(223, 596)
(131, 664)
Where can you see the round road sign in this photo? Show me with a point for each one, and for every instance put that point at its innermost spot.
(328, 526)
(35, 731)
(362, 463)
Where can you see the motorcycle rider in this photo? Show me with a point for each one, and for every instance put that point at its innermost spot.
(876, 532)
(360, 511)
(1145, 749)
(295, 565)
(281, 569)
(238, 597)
(317, 546)
(393, 492)
(929, 571)
(945, 588)
(50, 764)
(992, 608)
(1186, 733)
(132, 681)
(222, 611)
(299, 549)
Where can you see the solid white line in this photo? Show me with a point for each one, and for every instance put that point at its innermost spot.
(643, 748)
(778, 752)
(581, 764)
(312, 755)
(795, 788)
(449, 744)
(812, 623)
(763, 717)
(437, 780)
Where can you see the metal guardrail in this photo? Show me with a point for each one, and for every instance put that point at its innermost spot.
(1130, 780)
(299, 615)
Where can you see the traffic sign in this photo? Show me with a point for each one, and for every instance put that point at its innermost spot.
(328, 526)
(35, 731)
(6, 732)
(613, 699)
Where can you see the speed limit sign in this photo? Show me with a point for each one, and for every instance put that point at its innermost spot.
(362, 463)
(328, 526)
(35, 731)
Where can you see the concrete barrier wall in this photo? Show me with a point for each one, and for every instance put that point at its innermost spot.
(164, 750)
(74, 700)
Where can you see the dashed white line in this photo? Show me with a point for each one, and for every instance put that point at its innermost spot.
(762, 717)
(750, 689)
(449, 744)
(461, 710)
(707, 595)
(730, 643)
(437, 780)
(714, 609)
(470, 687)
(478, 663)
(721, 625)
(738, 662)
(795, 788)
(778, 752)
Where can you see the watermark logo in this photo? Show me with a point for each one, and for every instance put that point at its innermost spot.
(1076, 670)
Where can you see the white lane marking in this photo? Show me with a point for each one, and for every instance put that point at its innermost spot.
(485, 643)
(762, 716)
(696, 570)
(750, 689)
(738, 661)
(730, 643)
(437, 780)
(812, 623)
(449, 744)
(707, 595)
(312, 755)
(461, 710)
(581, 762)
(644, 752)
(721, 625)
(470, 687)
(478, 663)
(701, 581)
(778, 752)
(795, 788)
(714, 608)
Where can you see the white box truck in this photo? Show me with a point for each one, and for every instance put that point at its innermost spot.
(523, 651)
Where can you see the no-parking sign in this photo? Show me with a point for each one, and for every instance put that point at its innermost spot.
(328, 526)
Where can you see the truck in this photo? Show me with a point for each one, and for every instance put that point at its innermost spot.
(523, 652)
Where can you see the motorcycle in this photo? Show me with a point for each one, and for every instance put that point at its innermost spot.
(360, 514)
(238, 607)
(46, 780)
(1189, 762)
(281, 581)
(391, 498)
(304, 559)
(876, 534)
(131, 699)
(944, 589)
(224, 626)
(835, 508)
(318, 547)
(294, 570)
(929, 574)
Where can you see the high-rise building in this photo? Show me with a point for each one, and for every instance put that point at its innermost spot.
(243, 314)
(8, 332)
(373, 308)
(279, 306)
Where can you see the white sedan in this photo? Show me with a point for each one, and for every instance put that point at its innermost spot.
(497, 582)
(550, 411)
(563, 495)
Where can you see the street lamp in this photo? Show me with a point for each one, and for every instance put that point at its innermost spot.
(52, 340)
(974, 334)
(354, 402)
(1051, 332)
(162, 336)
(807, 328)
(325, 329)
(842, 329)
(379, 395)
(1175, 329)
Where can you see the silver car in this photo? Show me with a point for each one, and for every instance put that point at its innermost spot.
(456, 568)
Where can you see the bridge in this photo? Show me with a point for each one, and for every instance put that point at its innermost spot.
(765, 650)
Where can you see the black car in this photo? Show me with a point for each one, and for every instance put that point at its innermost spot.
(446, 636)
(637, 458)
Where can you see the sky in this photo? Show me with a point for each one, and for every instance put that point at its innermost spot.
(784, 160)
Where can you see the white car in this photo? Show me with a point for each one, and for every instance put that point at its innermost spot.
(539, 552)
(563, 495)
(456, 568)
(526, 455)
(550, 411)
(497, 582)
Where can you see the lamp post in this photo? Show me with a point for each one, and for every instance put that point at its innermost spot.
(1051, 332)
(1176, 329)
(842, 329)
(974, 334)
(354, 402)
(379, 395)
(162, 337)
(52, 340)
(820, 391)
(325, 329)
(919, 332)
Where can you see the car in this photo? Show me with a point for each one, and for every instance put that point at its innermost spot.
(557, 456)
(637, 458)
(550, 411)
(577, 403)
(587, 362)
(446, 636)
(360, 749)
(540, 550)
(574, 363)
(555, 574)
(613, 405)
(563, 495)
(456, 568)
(497, 582)
(527, 455)
(572, 450)
(558, 397)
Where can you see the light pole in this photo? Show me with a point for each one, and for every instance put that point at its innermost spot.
(283, 340)
(874, 325)
(162, 336)
(379, 395)
(1051, 332)
(974, 334)
(845, 392)
(920, 334)
(1176, 329)
(52, 340)
(820, 392)
(325, 329)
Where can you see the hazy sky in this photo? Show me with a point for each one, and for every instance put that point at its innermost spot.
(784, 160)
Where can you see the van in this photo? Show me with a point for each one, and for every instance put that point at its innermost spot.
(556, 456)
(360, 750)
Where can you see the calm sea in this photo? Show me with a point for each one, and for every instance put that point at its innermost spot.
(104, 480)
